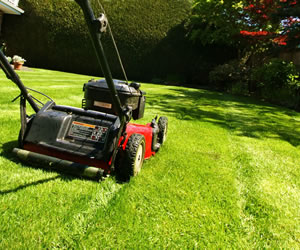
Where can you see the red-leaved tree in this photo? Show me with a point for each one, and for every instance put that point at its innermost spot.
(275, 21)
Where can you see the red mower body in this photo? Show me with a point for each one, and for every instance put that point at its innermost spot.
(131, 128)
(146, 131)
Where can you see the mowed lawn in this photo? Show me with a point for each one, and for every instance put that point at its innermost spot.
(228, 176)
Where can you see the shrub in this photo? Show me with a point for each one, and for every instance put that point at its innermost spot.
(232, 77)
(278, 81)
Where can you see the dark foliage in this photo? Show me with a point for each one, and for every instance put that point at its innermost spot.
(150, 34)
(278, 82)
(52, 34)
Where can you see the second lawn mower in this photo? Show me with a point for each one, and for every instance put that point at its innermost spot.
(98, 138)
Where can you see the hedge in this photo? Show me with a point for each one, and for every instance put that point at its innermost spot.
(150, 35)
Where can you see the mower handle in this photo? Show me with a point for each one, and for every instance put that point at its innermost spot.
(95, 35)
(13, 76)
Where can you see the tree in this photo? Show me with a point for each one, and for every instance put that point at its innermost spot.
(262, 22)
(215, 21)
(289, 15)
(276, 21)
(259, 29)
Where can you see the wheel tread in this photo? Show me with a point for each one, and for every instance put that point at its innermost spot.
(163, 128)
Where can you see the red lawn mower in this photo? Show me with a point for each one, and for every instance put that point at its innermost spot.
(96, 139)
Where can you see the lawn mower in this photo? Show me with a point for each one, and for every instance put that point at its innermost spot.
(98, 138)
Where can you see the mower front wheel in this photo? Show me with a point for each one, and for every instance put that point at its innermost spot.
(163, 129)
(134, 156)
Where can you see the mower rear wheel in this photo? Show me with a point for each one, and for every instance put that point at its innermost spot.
(134, 156)
(163, 129)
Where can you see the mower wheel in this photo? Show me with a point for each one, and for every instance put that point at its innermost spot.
(163, 129)
(134, 156)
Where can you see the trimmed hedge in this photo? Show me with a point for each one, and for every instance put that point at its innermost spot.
(53, 34)
(150, 34)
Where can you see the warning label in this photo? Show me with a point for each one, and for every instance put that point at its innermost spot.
(88, 131)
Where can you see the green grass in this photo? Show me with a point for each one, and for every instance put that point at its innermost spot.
(227, 177)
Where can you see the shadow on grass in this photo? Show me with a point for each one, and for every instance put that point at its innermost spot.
(35, 183)
(8, 154)
(241, 115)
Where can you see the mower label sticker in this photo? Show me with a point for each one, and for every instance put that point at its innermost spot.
(88, 131)
(103, 104)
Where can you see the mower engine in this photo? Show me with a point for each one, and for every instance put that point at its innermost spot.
(97, 97)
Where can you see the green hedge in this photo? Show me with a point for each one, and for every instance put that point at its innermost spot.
(150, 34)
(52, 34)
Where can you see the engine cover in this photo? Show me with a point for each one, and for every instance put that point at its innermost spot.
(97, 97)
(74, 131)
